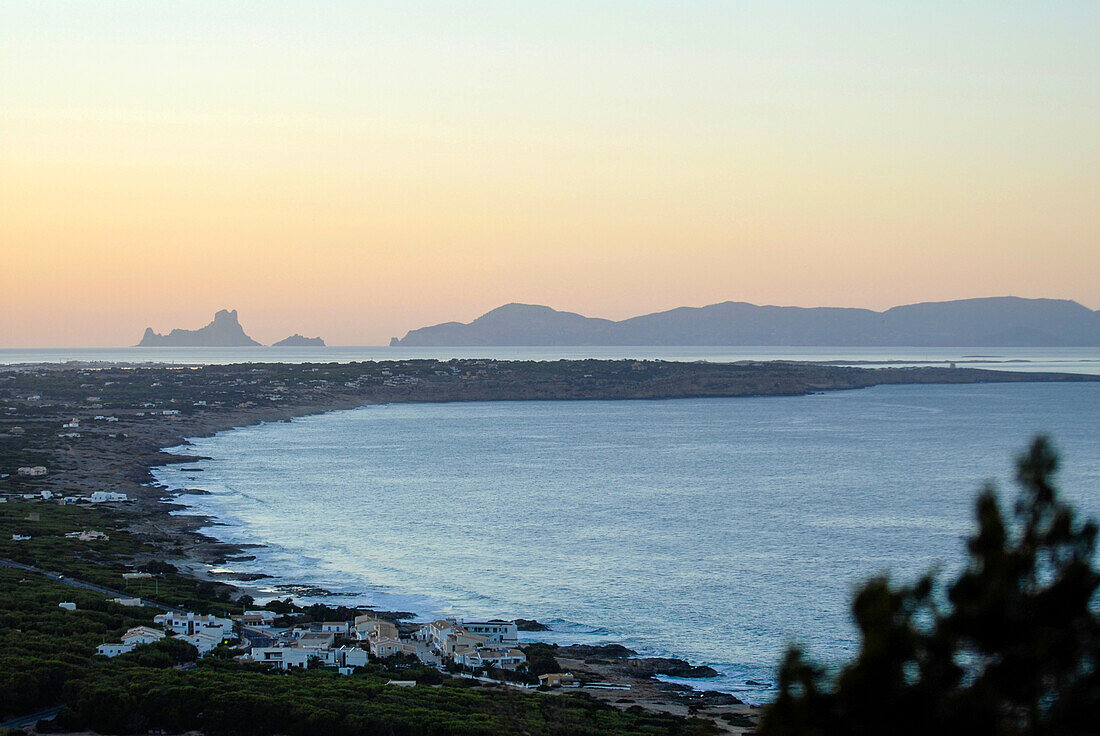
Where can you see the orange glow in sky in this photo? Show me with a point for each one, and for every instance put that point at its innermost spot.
(354, 170)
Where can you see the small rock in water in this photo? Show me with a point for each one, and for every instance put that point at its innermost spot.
(649, 666)
(527, 624)
(605, 651)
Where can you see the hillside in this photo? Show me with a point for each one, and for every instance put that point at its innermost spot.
(995, 321)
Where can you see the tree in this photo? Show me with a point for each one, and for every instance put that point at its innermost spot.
(1011, 646)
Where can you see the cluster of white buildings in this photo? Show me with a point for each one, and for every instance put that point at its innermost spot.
(107, 497)
(473, 644)
(88, 536)
(95, 497)
(344, 645)
(204, 632)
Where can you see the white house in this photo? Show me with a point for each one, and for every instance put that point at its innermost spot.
(202, 641)
(67, 605)
(354, 656)
(127, 601)
(191, 623)
(106, 497)
(502, 657)
(132, 638)
(495, 631)
(387, 647)
(256, 618)
(289, 657)
(31, 471)
(340, 628)
(113, 650)
(285, 657)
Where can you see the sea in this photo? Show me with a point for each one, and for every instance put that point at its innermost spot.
(1063, 360)
(718, 530)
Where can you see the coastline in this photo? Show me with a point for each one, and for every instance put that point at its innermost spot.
(417, 606)
(122, 456)
(148, 443)
(205, 554)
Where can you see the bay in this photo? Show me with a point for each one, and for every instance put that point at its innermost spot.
(717, 530)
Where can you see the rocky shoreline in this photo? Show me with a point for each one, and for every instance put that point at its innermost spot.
(121, 420)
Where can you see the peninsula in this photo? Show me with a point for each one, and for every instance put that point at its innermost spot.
(224, 331)
(999, 321)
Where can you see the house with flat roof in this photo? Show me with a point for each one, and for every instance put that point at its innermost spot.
(504, 658)
(284, 657)
(191, 623)
(558, 679)
(495, 631)
(107, 497)
(315, 640)
(114, 649)
(256, 618)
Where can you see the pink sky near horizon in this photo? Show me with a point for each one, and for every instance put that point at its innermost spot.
(357, 170)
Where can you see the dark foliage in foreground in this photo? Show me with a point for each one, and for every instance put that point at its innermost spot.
(240, 702)
(1010, 647)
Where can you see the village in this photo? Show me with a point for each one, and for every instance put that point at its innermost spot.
(262, 636)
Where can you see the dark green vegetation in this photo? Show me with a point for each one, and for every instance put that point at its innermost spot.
(232, 700)
(42, 646)
(98, 561)
(1011, 646)
(47, 657)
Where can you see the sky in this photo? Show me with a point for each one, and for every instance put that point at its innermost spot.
(356, 169)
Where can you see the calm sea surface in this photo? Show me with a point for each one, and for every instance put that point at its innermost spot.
(717, 530)
(1068, 360)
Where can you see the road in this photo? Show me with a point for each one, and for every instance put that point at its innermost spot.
(50, 713)
(43, 715)
(83, 584)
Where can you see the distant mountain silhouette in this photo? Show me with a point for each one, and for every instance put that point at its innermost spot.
(995, 321)
(298, 341)
(224, 332)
